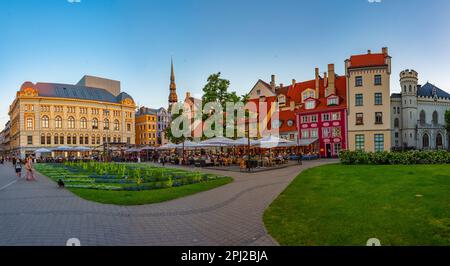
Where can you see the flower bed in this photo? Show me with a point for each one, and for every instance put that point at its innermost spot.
(121, 177)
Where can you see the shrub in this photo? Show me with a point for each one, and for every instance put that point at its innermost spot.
(404, 158)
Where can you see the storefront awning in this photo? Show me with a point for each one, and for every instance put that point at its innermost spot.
(307, 142)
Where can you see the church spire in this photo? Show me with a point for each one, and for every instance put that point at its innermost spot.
(173, 98)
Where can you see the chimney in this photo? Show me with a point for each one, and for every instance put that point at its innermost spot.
(331, 78)
(281, 85)
(384, 50)
(292, 106)
(188, 95)
(272, 82)
(293, 82)
(317, 83)
(369, 51)
(325, 79)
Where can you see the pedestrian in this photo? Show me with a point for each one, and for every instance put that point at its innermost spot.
(29, 169)
(18, 168)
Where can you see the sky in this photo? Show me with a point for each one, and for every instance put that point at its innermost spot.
(133, 41)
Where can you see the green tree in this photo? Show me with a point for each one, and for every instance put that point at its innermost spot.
(447, 126)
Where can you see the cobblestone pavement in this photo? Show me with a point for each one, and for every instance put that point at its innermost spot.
(38, 213)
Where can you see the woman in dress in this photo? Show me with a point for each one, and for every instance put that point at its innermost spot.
(29, 168)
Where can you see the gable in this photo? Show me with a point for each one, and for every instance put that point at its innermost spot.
(263, 89)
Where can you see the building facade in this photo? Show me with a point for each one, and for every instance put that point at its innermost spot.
(368, 101)
(164, 120)
(418, 115)
(146, 126)
(47, 115)
(323, 113)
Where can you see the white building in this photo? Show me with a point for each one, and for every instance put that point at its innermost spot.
(418, 115)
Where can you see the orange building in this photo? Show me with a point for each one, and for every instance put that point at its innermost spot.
(146, 126)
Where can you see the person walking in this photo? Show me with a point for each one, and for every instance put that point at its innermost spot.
(29, 169)
(18, 168)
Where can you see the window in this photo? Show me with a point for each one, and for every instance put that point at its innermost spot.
(116, 125)
(71, 122)
(435, 118)
(83, 123)
(378, 98)
(128, 140)
(93, 140)
(281, 99)
(310, 105)
(30, 140)
(305, 119)
(45, 121)
(42, 139)
(86, 139)
(30, 123)
(359, 99)
(305, 134)
(82, 140)
(337, 148)
(258, 92)
(326, 117)
(61, 139)
(314, 133)
(439, 141)
(379, 142)
(58, 122)
(314, 118)
(336, 116)
(129, 127)
(69, 139)
(358, 81)
(95, 123)
(425, 141)
(56, 139)
(336, 132)
(49, 139)
(396, 122)
(74, 139)
(326, 132)
(377, 80)
(359, 142)
(333, 101)
(106, 124)
(308, 94)
(359, 119)
(378, 118)
(422, 117)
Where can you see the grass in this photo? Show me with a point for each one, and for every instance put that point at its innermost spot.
(337, 205)
(147, 196)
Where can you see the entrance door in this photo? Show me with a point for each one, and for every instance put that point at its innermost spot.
(328, 150)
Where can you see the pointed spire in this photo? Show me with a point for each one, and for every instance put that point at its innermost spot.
(173, 97)
(172, 73)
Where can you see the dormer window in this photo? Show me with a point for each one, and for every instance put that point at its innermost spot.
(308, 94)
(258, 92)
(333, 101)
(282, 99)
(310, 105)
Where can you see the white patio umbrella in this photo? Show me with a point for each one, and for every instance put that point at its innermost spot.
(42, 150)
(217, 142)
(273, 142)
(133, 150)
(189, 144)
(82, 149)
(244, 142)
(168, 146)
(63, 148)
(148, 148)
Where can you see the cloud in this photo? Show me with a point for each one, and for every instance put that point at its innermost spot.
(74, 1)
(374, 1)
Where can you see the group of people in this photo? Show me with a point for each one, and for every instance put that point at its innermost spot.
(19, 164)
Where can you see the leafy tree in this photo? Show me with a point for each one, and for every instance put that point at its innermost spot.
(447, 126)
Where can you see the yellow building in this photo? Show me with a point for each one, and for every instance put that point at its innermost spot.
(89, 113)
(368, 101)
(146, 126)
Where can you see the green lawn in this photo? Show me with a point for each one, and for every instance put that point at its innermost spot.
(348, 204)
(147, 196)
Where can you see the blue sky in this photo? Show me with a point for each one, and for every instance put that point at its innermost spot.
(133, 41)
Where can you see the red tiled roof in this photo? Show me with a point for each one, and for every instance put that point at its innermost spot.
(367, 60)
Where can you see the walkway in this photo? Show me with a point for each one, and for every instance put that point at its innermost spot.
(41, 214)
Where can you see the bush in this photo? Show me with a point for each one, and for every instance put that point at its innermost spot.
(403, 158)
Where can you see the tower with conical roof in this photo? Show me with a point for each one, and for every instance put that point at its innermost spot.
(173, 98)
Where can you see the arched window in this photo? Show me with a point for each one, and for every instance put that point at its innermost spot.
(43, 139)
(56, 139)
(69, 139)
(83, 123)
(58, 122)
(95, 123)
(30, 123)
(435, 118)
(74, 139)
(410, 88)
(425, 141)
(86, 139)
(49, 139)
(116, 125)
(404, 88)
(93, 140)
(61, 139)
(71, 122)
(422, 117)
(106, 124)
(396, 123)
(439, 142)
(45, 121)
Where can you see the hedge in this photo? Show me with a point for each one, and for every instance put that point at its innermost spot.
(403, 158)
